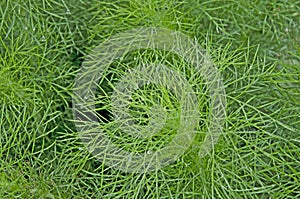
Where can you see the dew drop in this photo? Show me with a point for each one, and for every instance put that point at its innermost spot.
(25, 28)
(43, 39)
(68, 12)
(286, 30)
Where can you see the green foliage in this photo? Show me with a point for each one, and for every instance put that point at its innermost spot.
(254, 44)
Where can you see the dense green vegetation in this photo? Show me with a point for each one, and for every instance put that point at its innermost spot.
(254, 44)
